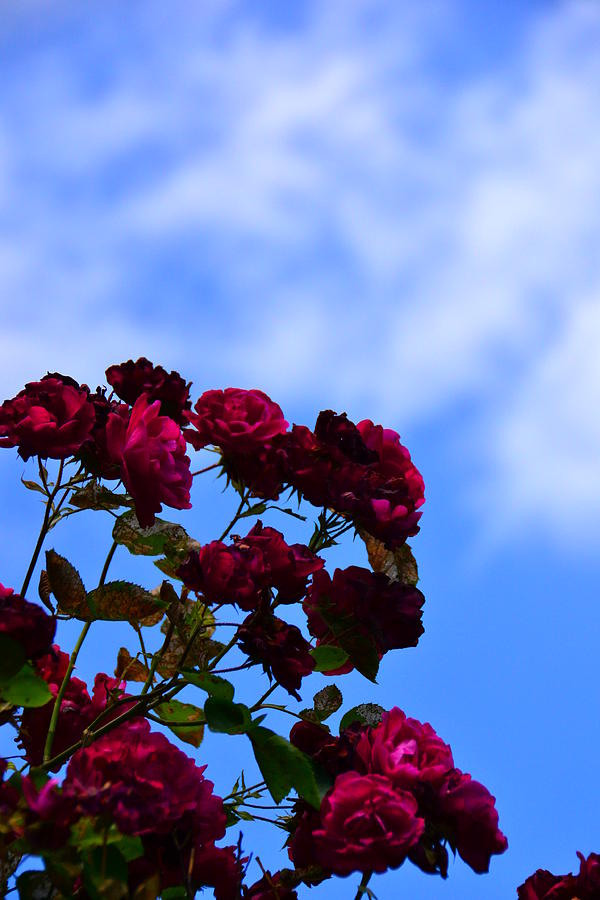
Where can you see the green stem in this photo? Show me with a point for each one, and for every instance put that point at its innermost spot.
(71, 665)
(61, 692)
(43, 530)
(221, 653)
(157, 658)
(266, 694)
(243, 502)
(362, 888)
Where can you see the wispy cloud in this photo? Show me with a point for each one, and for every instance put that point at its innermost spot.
(329, 208)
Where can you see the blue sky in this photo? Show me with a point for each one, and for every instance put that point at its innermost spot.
(389, 209)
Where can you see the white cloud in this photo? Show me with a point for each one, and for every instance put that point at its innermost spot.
(379, 235)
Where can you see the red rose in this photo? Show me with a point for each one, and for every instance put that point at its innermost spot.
(225, 574)
(358, 604)
(467, 812)
(286, 567)
(406, 751)
(132, 379)
(150, 450)
(26, 623)
(362, 471)
(283, 652)
(333, 754)
(48, 418)
(366, 825)
(543, 885)
(235, 420)
(145, 785)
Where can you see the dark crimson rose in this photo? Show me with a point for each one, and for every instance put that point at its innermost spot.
(357, 604)
(48, 418)
(150, 450)
(235, 420)
(366, 825)
(26, 623)
(286, 567)
(406, 751)
(219, 868)
(132, 379)
(77, 709)
(333, 754)
(543, 885)
(94, 453)
(144, 784)
(225, 574)
(249, 428)
(279, 647)
(361, 471)
(467, 812)
(269, 887)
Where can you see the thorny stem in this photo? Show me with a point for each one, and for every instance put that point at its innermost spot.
(45, 525)
(157, 658)
(206, 469)
(266, 694)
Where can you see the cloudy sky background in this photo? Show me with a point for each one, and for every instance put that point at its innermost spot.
(384, 208)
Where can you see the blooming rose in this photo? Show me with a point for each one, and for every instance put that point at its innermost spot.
(466, 810)
(150, 450)
(286, 567)
(132, 379)
(280, 647)
(225, 574)
(412, 756)
(358, 604)
(48, 418)
(26, 623)
(362, 471)
(235, 420)
(543, 885)
(406, 751)
(94, 453)
(334, 755)
(366, 825)
(269, 887)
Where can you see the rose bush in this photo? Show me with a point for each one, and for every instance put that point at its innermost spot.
(103, 800)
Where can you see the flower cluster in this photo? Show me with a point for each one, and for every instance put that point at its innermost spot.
(543, 885)
(137, 780)
(396, 795)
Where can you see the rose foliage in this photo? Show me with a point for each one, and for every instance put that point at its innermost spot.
(105, 800)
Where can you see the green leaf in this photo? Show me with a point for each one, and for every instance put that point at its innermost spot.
(25, 688)
(226, 717)
(66, 585)
(214, 685)
(147, 541)
(284, 766)
(328, 657)
(96, 496)
(86, 834)
(257, 510)
(33, 486)
(365, 713)
(174, 893)
(121, 601)
(362, 653)
(327, 701)
(184, 720)
(12, 657)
